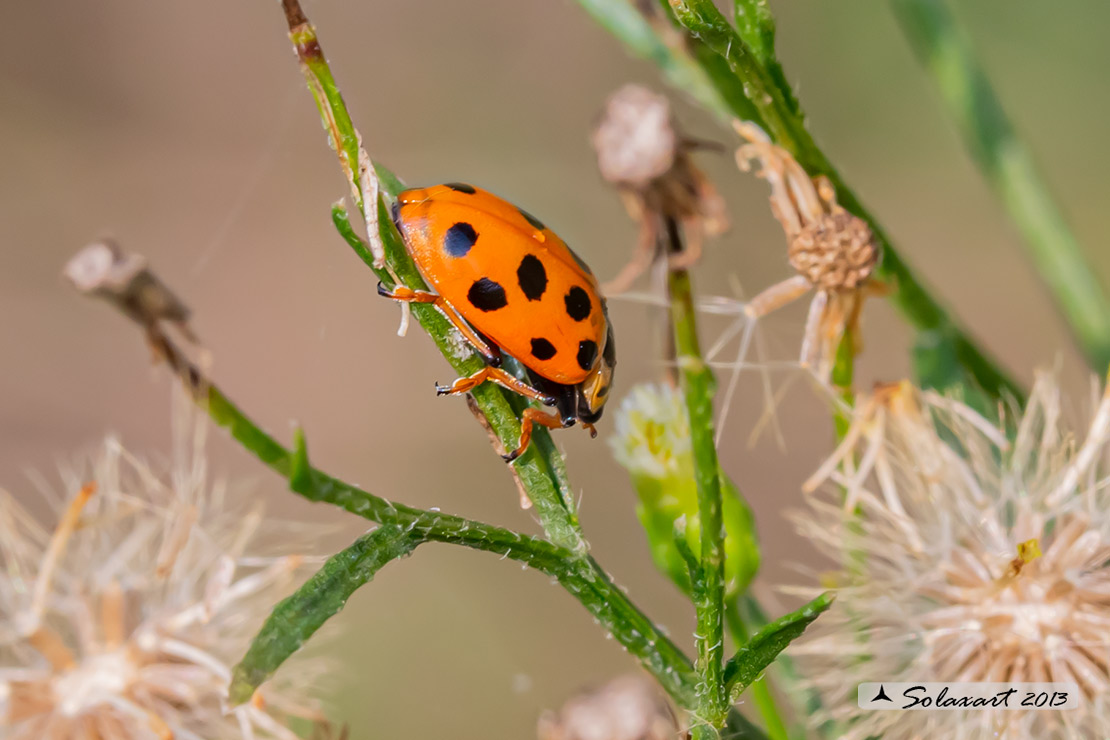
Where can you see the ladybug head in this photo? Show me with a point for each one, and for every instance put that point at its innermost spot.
(593, 392)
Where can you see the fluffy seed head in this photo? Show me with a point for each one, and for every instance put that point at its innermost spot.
(935, 517)
(123, 620)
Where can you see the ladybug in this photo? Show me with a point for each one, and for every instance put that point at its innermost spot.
(509, 284)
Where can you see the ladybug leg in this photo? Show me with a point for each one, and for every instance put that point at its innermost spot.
(531, 417)
(499, 376)
(408, 295)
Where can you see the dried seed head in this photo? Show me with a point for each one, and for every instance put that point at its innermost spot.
(104, 270)
(641, 151)
(636, 141)
(966, 554)
(836, 251)
(626, 708)
(125, 620)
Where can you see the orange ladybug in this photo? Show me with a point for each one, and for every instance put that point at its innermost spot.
(509, 284)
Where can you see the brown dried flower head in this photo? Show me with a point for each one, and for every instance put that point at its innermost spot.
(835, 251)
(641, 151)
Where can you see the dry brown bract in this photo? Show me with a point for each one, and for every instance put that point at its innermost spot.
(833, 251)
(641, 152)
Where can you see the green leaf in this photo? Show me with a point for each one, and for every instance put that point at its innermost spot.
(300, 470)
(298, 617)
(752, 659)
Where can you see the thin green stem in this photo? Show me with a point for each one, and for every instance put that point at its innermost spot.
(386, 256)
(940, 44)
(579, 574)
(698, 387)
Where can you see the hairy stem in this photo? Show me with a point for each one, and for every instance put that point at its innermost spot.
(579, 574)
(698, 387)
(1005, 161)
(385, 254)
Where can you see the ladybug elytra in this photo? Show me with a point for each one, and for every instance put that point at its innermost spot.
(509, 284)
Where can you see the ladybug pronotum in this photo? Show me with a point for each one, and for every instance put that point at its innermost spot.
(509, 284)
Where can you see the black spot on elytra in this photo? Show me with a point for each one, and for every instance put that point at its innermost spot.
(531, 277)
(536, 223)
(578, 303)
(459, 239)
(542, 349)
(460, 187)
(587, 353)
(486, 295)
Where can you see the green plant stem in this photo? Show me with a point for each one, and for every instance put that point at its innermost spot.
(553, 503)
(697, 387)
(762, 693)
(579, 574)
(943, 50)
(539, 472)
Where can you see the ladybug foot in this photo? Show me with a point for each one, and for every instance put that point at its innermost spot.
(499, 376)
(531, 417)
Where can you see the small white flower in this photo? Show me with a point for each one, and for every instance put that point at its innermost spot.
(124, 621)
(652, 436)
(930, 516)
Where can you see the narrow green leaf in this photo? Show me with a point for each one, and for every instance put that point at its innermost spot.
(752, 659)
(300, 471)
(693, 582)
(298, 617)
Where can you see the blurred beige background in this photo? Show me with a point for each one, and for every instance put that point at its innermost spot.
(184, 130)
